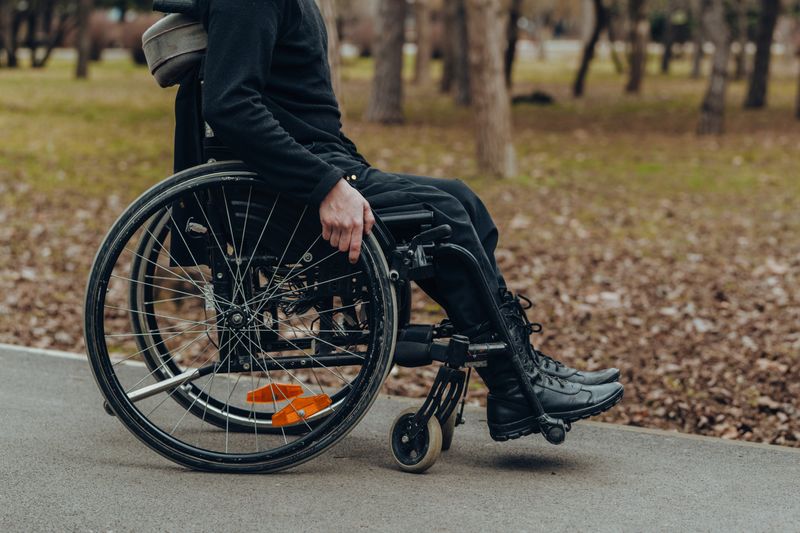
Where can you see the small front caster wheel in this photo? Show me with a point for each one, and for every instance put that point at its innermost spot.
(418, 453)
(107, 409)
(449, 429)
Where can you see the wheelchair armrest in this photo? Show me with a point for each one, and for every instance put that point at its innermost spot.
(396, 220)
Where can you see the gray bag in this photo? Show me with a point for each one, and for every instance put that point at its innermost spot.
(174, 46)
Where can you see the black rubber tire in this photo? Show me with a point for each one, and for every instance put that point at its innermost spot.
(364, 389)
(427, 448)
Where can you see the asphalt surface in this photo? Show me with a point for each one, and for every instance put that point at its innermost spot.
(66, 465)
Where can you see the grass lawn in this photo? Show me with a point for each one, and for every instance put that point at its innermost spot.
(673, 257)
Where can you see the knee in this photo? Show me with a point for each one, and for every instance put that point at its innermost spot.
(469, 199)
(462, 192)
(447, 209)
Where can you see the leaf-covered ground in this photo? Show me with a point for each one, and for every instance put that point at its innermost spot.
(643, 246)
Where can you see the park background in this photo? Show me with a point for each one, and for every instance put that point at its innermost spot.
(649, 210)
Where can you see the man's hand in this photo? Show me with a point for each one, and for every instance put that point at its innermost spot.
(346, 217)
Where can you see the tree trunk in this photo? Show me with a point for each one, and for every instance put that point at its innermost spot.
(600, 21)
(461, 65)
(669, 38)
(638, 45)
(32, 24)
(759, 78)
(512, 36)
(83, 40)
(386, 101)
(328, 10)
(448, 48)
(422, 65)
(797, 105)
(456, 62)
(611, 27)
(712, 111)
(8, 31)
(741, 30)
(489, 92)
(54, 38)
(698, 37)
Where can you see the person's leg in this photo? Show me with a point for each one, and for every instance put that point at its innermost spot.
(452, 288)
(478, 213)
(509, 414)
(487, 232)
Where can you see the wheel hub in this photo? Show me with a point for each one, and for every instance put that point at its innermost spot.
(238, 318)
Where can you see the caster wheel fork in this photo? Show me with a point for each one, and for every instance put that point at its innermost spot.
(448, 430)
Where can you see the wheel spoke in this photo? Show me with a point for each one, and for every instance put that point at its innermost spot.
(214, 234)
(265, 297)
(160, 343)
(296, 347)
(166, 317)
(237, 257)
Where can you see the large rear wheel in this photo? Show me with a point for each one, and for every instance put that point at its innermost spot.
(226, 334)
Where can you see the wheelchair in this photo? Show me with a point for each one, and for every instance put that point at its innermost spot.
(228, 336)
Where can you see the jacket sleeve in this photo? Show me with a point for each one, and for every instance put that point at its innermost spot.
(350, 146)
(241, 40)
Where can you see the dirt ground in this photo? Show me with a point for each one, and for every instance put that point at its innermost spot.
(672, 257)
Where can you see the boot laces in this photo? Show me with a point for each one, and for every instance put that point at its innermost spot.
(550, 380)
(548, 361)
(515, 308)
(516, 301)
(513, 303)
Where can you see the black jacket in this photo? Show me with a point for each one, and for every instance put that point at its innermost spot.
(267, 95)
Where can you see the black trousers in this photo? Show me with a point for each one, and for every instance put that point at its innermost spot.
(452, 202)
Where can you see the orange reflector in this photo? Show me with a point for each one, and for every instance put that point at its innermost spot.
(301, 409)
(274, 392)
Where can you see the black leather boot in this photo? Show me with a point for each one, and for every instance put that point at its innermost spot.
(556, 368)
(508, 413)
(550, 365)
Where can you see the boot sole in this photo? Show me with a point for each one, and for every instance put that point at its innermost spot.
(527, 426)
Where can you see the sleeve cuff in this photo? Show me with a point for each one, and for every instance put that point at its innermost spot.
(325, 185)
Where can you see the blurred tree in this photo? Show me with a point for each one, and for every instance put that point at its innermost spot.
(611, 25)
(386, 101)
(600, 21)
(512, 35)
(459, 46)
(698, 37)
(668, 36)
(123, 6)
(740, 60)
(490, 99)
(448, 48)
(712, 111)
(422, 65)
(83, 40)
(797, 105)
(637, 37)
(48, 22)
(43, 22)
(759, 77)
(328, 9)
(9, 23)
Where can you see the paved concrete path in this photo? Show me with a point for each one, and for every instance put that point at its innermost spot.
(66, 465)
